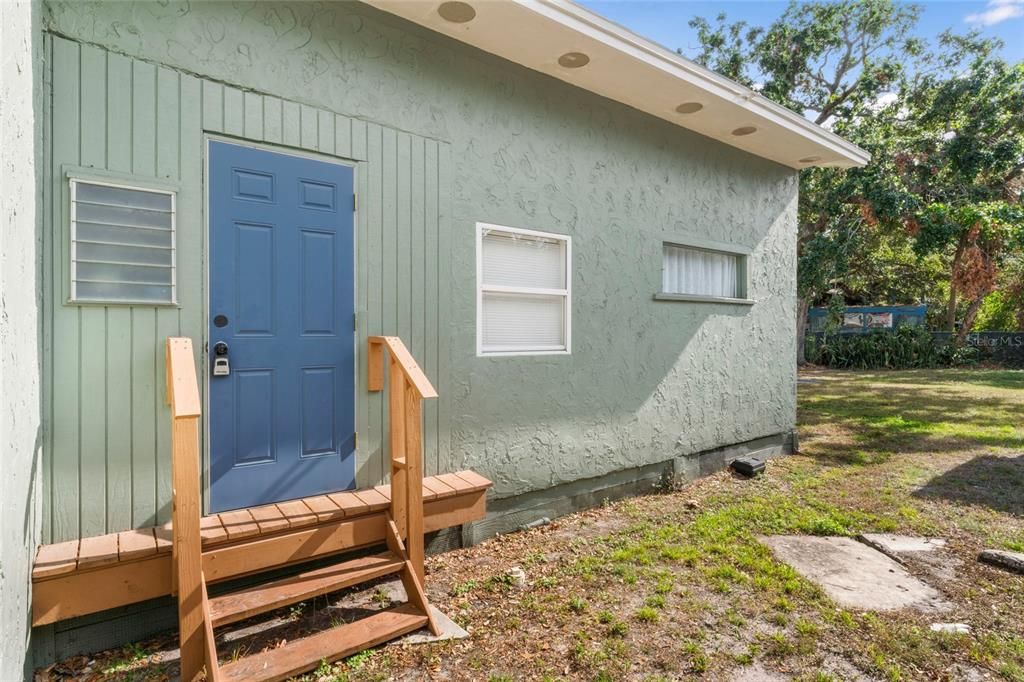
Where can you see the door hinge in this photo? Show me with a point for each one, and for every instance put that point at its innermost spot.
(355, 440)
(355, 322)
(354, 201)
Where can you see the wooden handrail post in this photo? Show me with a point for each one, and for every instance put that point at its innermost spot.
(407, 387)
(399, 474)
(183, 396)
(414, 483)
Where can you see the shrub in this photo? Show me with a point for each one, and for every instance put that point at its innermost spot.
(905, 347)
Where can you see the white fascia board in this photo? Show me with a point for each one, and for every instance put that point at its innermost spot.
(594, 26)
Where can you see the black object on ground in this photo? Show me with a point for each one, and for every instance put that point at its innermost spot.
(747, 466)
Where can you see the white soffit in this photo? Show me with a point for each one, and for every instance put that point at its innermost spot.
(637, 72)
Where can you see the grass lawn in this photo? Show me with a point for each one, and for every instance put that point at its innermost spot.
(676, 585)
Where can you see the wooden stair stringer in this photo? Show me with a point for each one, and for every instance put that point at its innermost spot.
(209, 643)
(410, 580)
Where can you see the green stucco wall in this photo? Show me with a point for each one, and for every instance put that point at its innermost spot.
(646, 381)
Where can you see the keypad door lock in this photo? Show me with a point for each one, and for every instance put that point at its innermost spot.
(221, 366)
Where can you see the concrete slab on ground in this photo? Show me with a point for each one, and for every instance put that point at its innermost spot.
(1013, 561)
(902, 544)
(917, 553)
(854, 575)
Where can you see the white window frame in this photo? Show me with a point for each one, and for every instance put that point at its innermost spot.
(74, 180)
(481, 289)
(742, 256)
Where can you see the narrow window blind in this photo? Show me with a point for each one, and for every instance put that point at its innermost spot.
(122, 244)
(699, 272)
(524, 292)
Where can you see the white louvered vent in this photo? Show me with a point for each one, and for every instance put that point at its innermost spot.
(699, 272)
(524, 292)
(122, 244)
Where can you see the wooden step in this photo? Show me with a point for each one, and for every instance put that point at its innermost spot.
(251, 601)
(330, 645)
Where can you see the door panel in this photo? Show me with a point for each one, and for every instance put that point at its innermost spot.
(319, 272)
(282, 422)
(254, 278)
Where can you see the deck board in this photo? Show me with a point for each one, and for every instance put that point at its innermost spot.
(475, 480)
(438, 488)
(269, 518)
(324, 508)
(297, 513)
(57, 559)
(373, 499)
(98, 550)
(454, 482)
(212, 530)
(349, 503)
(135, 544)
(239, 524)
(164, 538)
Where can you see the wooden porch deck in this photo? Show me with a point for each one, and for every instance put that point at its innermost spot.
(93, 574)
(99, 573)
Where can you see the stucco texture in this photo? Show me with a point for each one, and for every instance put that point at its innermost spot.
(19, 332)
(646, 381)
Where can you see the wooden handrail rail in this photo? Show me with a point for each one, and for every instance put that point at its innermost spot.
(407, 387)
(187, 581)
(413, 374)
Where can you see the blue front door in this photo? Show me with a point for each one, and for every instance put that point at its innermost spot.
(282, 411)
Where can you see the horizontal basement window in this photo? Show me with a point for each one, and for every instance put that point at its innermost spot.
(702, 273)
(122, 244)
(523, 300)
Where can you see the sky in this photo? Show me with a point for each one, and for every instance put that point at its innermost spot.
(665, 21)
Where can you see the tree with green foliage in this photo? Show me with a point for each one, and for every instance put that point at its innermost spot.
(947, 153)
(886, 269)
(960, 167)
(943, 125)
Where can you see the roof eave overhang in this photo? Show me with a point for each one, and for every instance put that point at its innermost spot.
(630, 69)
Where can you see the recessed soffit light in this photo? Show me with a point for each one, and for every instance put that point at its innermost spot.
(573, 60)
(744, 130)
(689, 107)
(810, 159)
(456, 12)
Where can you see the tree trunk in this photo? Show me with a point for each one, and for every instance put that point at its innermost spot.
(972, 312)
(951, 304)
(801, 329)
(951, 308)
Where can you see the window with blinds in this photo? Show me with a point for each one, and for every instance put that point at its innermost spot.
(701, 272)
(122, 244)
(523, 298)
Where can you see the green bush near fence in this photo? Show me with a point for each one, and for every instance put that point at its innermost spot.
(905, 347)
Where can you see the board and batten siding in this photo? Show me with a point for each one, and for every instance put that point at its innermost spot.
(106, 428)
